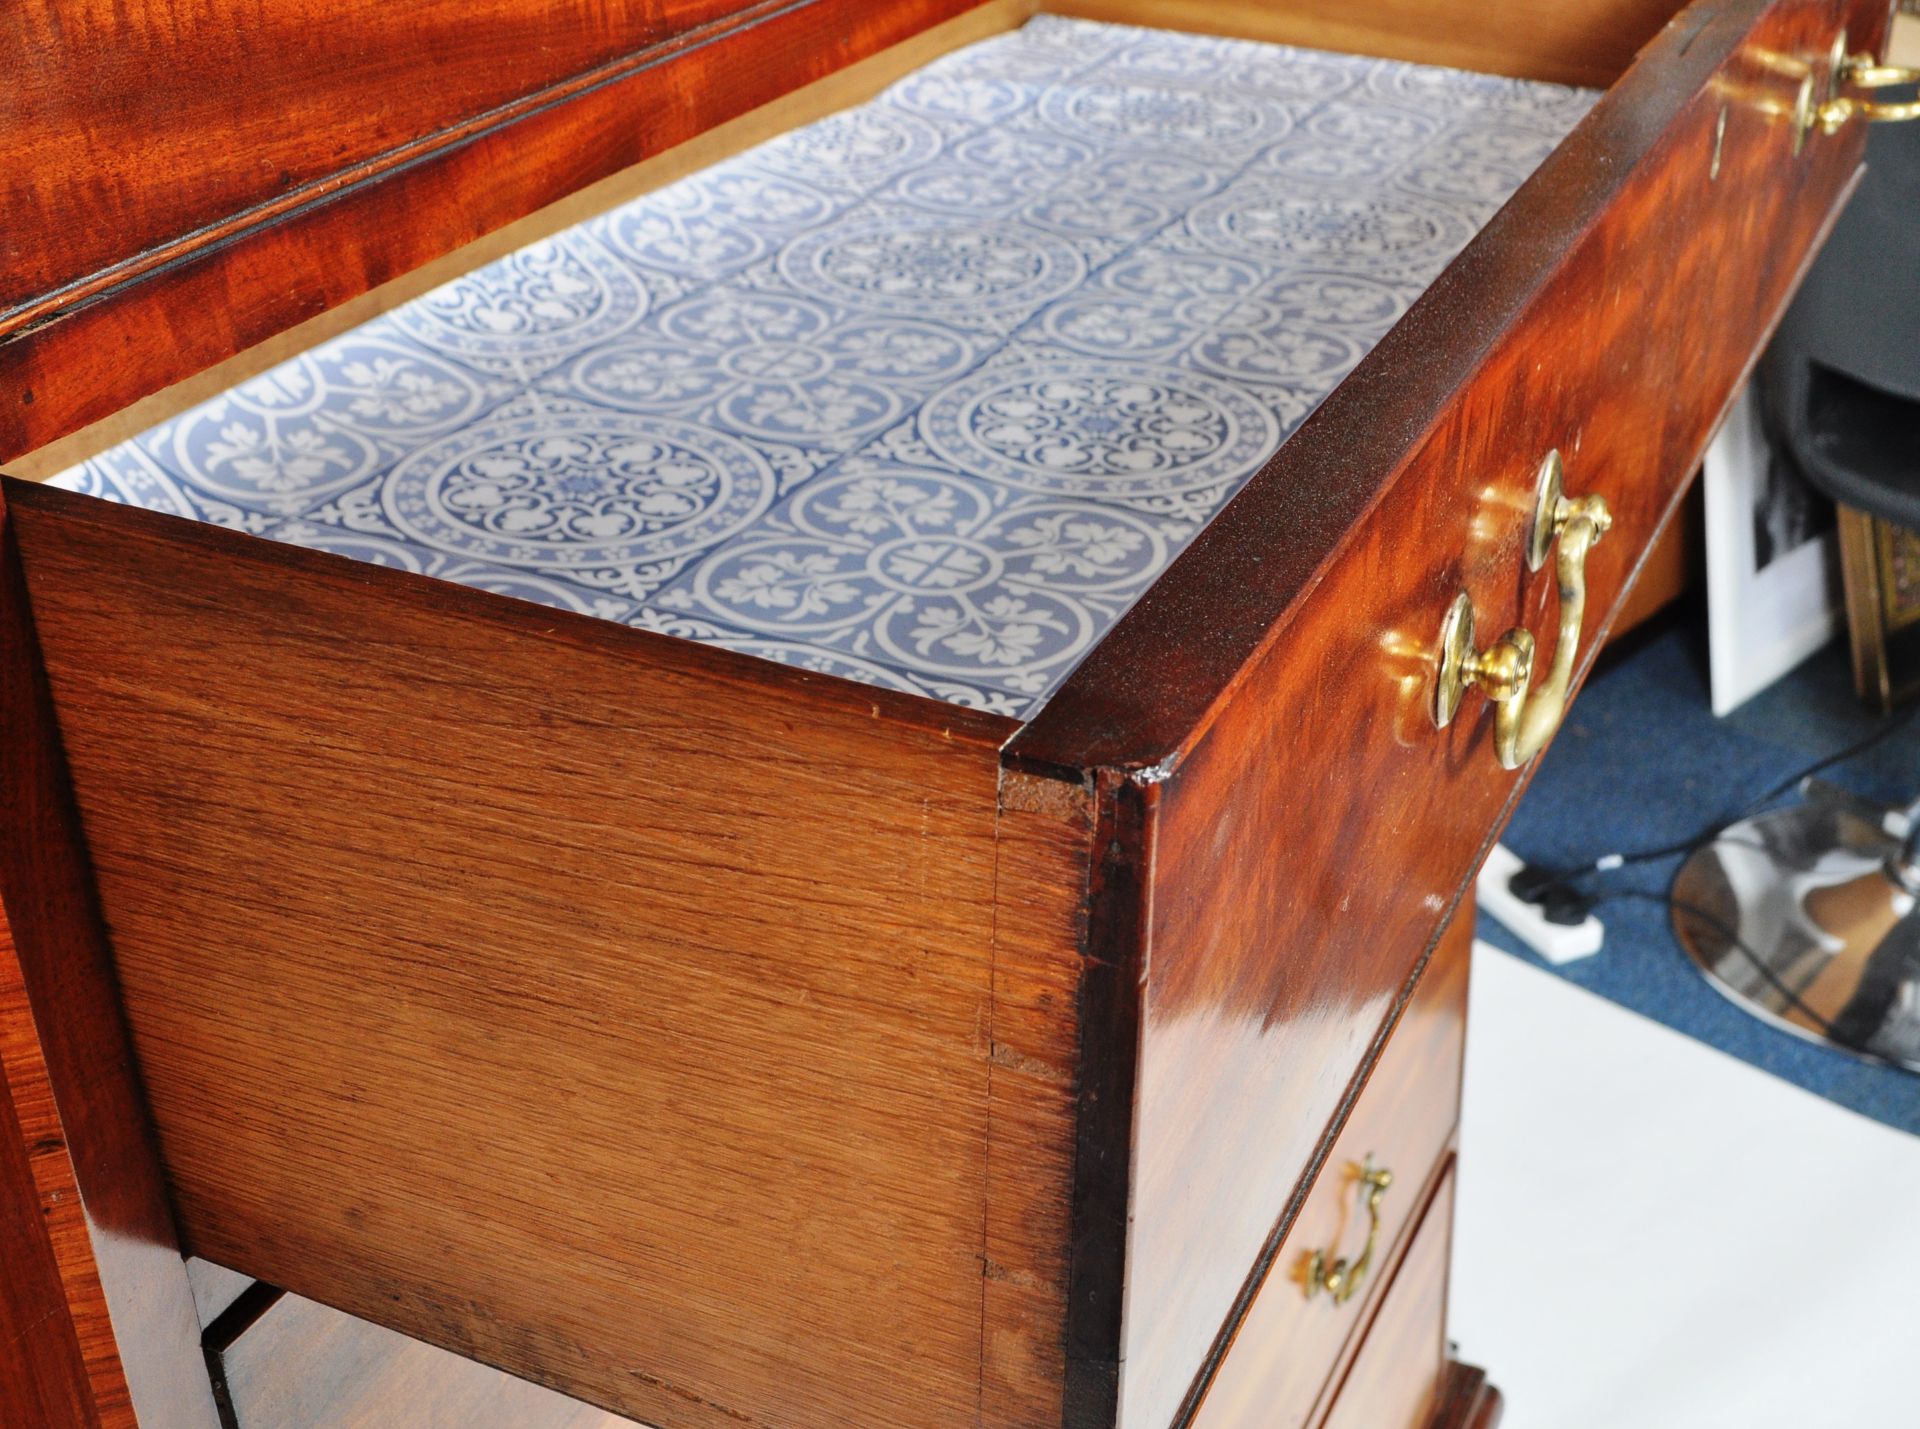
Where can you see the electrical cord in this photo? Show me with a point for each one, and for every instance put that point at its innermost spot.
(1561, 896)
(1557, 891)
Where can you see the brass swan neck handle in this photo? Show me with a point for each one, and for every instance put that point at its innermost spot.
(1525, 717)
(1831, 108)
(1339, 1278)
(1525, 721)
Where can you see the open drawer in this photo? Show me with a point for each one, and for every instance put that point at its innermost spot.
(723, 1039)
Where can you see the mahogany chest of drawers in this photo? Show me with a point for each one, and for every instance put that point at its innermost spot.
(716, 1042)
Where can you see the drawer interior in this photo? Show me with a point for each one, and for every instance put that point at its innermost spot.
(925, 394)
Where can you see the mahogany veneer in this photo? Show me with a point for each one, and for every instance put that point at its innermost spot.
(715, 1042)
(1291, 1347)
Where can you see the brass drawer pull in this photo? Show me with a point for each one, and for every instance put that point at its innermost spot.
(1339, 1279)
(1859, 71)
(1524, 719)
(1862, 72)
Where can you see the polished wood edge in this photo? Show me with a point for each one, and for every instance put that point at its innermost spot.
(1044, 843)
(841, 89)
(1466, 1400)
(1463, 908)
(1227, 600)
(511, 616)
(236, 226)
(1480, 37)
(71, 1083)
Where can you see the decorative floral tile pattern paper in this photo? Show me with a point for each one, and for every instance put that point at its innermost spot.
(925, 394)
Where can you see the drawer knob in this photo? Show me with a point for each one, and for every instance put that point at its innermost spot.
(1524, 719)
(1339, 1278)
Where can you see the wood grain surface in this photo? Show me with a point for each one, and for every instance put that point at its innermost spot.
(1587, 42)
(603, 1006)
(299, 1365)
(721, 1043)
(1307, 829)
(235, 179)
(97, 1328)
(1620, 236)
(117, 109)
(1283, 1363)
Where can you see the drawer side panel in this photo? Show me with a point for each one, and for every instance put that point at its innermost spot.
(564, 996)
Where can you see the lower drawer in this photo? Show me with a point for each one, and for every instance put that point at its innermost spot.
(296, 1364)
(1395, 1379)
(1295, 1339)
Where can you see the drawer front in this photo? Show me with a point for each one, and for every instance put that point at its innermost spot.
(1396, 1377)
(299, 1365)
(1290, 1346)
(1313, 837)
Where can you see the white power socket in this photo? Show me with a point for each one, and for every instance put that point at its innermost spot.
(1556, 942)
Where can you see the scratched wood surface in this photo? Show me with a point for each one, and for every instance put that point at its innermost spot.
(605, 1007)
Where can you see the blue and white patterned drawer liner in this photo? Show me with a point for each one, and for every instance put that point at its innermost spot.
(925, 394)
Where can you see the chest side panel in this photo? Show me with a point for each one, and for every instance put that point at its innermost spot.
(569, 1000)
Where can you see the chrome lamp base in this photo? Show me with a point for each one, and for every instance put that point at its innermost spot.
(1809, 919)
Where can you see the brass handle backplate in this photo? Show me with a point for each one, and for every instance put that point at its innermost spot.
(1337, 1277)
(1524, 718)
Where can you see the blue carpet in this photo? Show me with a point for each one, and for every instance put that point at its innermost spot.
(1643, 762)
